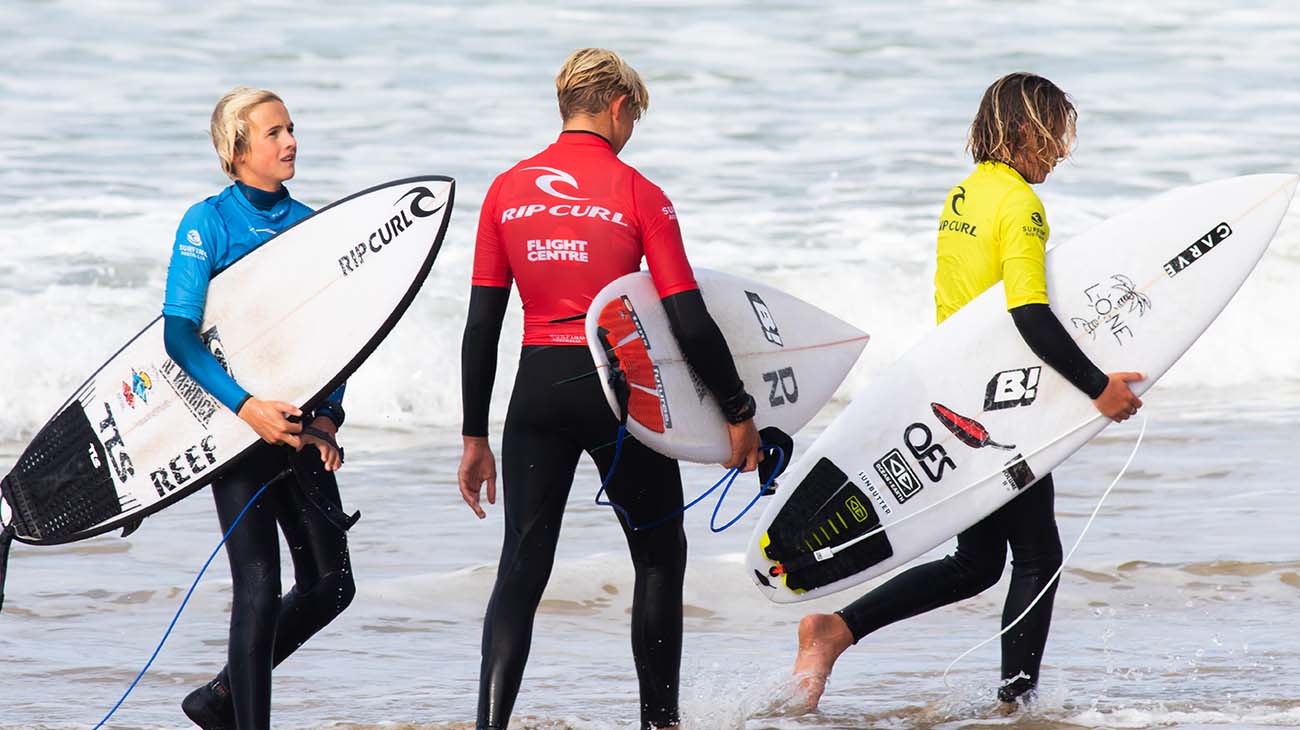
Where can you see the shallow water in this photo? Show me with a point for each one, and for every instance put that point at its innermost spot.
(806, 145)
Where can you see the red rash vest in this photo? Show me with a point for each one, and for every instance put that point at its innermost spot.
(566, 222)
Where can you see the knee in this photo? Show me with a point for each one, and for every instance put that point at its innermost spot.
(1044, 561)
(663, 548)
(979, 570)
(339, 589)
(257, 597)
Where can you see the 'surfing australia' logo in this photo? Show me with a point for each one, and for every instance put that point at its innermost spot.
(1194, 252)
(765, 319)
(139, 387)
(422, 204)
(898, 476)
(967, 430)
(1011, 388)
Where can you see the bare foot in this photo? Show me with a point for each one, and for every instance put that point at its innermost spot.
(822, 638)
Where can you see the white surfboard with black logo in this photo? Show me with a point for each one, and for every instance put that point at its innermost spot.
(970, 417)
(790, 355)
(290, 321)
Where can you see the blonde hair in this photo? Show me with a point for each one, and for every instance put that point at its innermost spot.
(593, 77)
(230, 123)
(1023, 111)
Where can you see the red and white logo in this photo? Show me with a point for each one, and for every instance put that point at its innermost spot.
(546, 183)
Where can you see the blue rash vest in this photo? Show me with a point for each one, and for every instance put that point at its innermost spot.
(213, 235)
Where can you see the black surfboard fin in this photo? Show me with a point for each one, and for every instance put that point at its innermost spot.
(6, 540)
(773, 436)
(131, 526)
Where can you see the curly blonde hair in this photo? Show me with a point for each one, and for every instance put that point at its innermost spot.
(593, 77)
(230, 123)
(1023, 112)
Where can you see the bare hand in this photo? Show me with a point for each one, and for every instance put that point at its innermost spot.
(477, 465)
(330, 455)
(267, 419)
(745, 444)
(1117, 401)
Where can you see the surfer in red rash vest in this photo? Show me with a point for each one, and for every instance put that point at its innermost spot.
(563, 224)
(993, 228)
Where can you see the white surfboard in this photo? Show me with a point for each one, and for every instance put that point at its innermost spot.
(970, 417)
(790, 355)
(290, 321)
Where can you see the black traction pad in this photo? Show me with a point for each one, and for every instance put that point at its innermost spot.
(61, 484)
(831, 510)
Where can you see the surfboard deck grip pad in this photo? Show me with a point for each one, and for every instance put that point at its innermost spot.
(58, 488)
(831, 511)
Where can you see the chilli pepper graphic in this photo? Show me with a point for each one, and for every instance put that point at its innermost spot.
(968, 430)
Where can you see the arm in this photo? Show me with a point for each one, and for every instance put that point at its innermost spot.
(191, 267)
(478, 356)
(706, 351)
(1048, 339)
(1024, 234)
(702, 343)
(489, 295)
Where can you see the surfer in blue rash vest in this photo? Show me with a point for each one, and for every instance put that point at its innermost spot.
(992, 228)
(253, 135)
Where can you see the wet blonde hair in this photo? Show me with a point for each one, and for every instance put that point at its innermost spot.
(1023, 111)
(593, 77)
(230, 123)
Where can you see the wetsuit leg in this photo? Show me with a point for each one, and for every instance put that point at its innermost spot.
(254, 552)
(975, 566)
(538, 458)
(649, 486)
(323, 583)
(1029, 521)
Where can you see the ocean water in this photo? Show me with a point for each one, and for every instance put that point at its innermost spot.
(806, 144)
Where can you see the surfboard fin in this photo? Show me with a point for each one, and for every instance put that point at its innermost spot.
(131, 527)
(6, 540)
(774, 437)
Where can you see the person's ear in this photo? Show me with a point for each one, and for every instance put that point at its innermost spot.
(618, 107)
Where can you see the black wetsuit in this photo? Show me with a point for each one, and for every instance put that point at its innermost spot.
(561, 255)
(264, 627)
(1027, 524)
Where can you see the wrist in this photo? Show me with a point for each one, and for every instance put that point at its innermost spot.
(474, 441)
(739, 408)
(333, 411)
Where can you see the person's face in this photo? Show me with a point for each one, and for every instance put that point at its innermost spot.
(269, 158)
(622, 121)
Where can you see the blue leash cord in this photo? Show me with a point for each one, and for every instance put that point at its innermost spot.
(177, 617)
(728, 479)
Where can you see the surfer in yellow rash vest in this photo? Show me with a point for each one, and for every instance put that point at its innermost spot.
(992, 228)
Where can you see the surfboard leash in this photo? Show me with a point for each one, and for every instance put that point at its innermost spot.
(186, 600)
(1064, 562)
(725, 483)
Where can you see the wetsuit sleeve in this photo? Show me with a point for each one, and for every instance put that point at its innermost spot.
(706, 351)
(181, 338)
(491, 265)
(332, 407)
(661, 239)
(1023, 231)
(1048, 339)
(199, 239)
(478, 355)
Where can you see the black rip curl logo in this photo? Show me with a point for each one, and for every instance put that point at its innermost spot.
(958, 196)
(420, 194)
